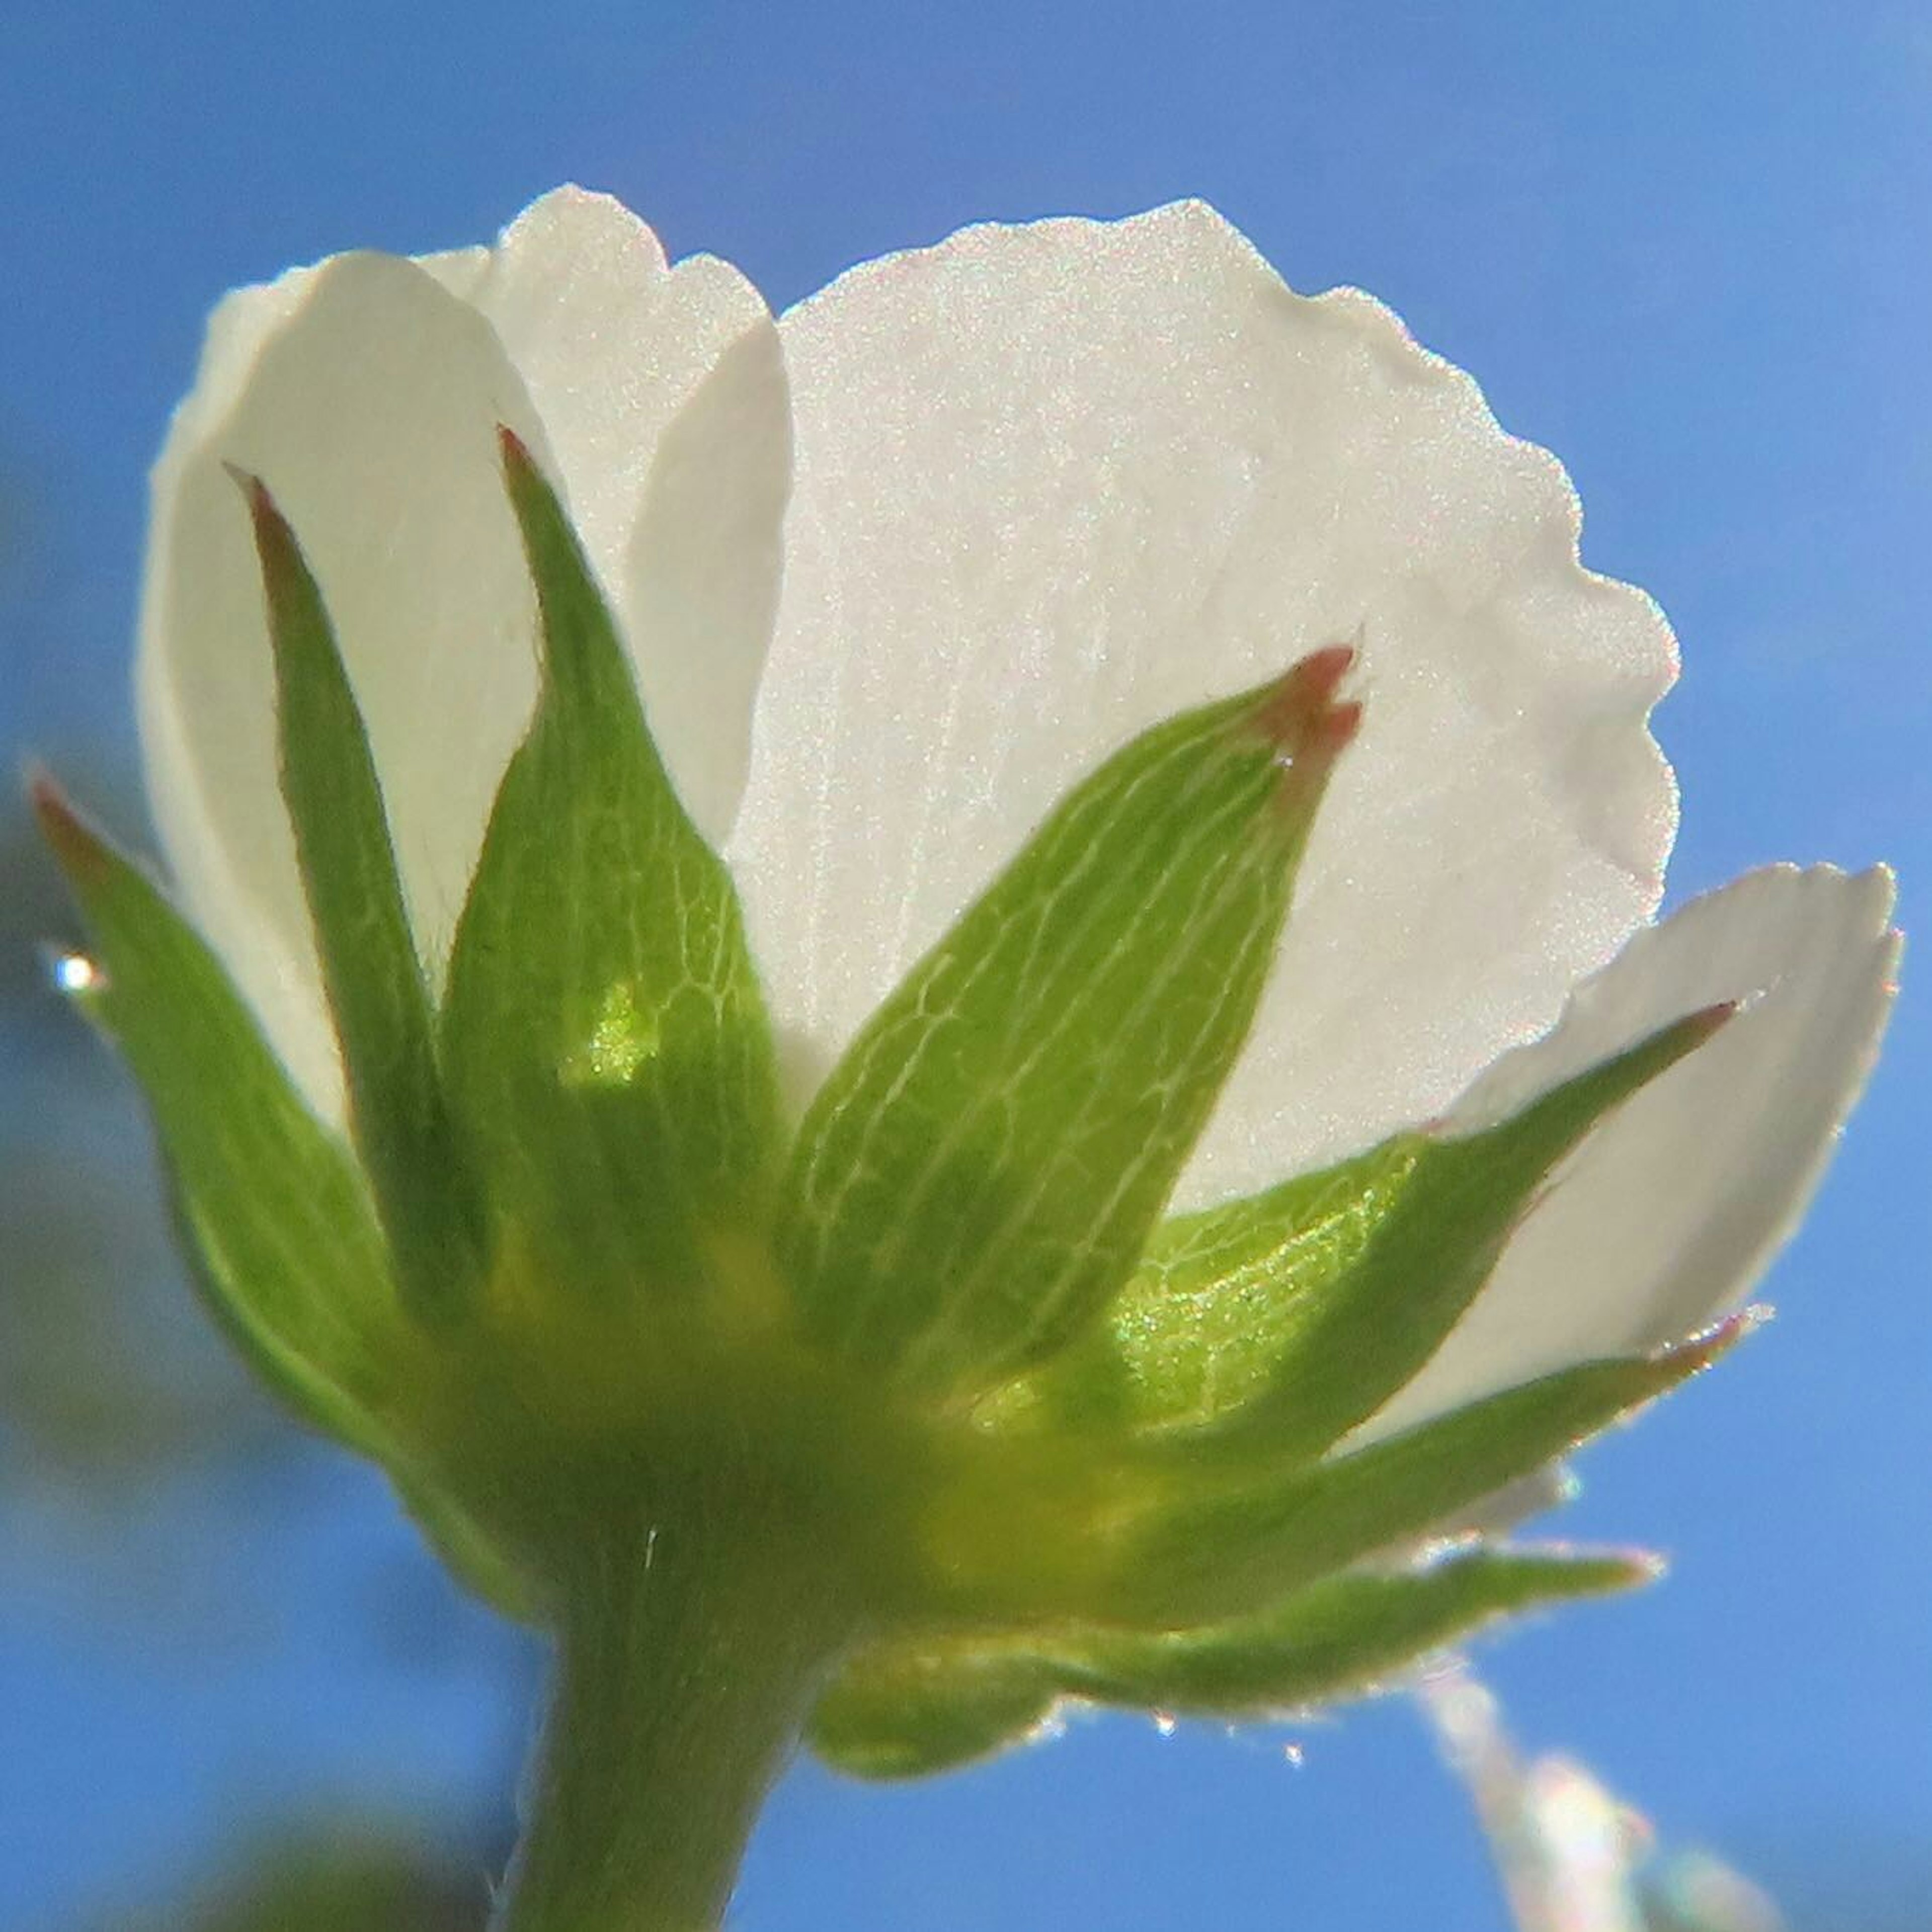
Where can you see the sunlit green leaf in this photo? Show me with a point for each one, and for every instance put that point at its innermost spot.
(1219, 1301)
(477, 1560)
(979, 1174)
(905, 1708)
(273, 1214)
(1217, 1552)
(1285, 1319)
(604, 1038)
(275, 1221)
(384, 1024)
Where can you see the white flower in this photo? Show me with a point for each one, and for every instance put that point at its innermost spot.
(899, 568)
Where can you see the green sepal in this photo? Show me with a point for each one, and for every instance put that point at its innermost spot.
(478, 1560)
(905, 1708)
(604, 1036)
(977, 1176)
(385, 1025)
(276, 1221)
(1218, 1303)
(1213, 1551)
(1283, 1321)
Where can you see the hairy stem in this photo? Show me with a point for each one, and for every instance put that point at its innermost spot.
(688, 1658)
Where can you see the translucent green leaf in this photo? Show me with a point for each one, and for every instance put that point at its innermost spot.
(1284, 1320)
(1219, 1301)
(979, 1175)
(477, 1560)
(1229, 1549)
(908, 1709)
(1341, 1635)
(274, 1218)
(905, 1708)
(604, 1036)
(273, 1211)
(384, 1023)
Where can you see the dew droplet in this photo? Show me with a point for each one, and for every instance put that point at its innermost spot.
(75, 973)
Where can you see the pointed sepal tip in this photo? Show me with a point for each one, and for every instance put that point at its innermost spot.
(1308, 724)
(81, 853)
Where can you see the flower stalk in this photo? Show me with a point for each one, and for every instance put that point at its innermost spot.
(688, 1660)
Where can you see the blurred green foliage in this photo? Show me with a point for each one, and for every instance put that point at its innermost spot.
(343, 1878)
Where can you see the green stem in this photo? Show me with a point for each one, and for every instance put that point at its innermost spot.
(686, 1666)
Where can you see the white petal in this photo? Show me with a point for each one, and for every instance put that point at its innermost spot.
(1056, 483)
(663, 391)
(1663, 1220)
(367, 397)
(366, 391)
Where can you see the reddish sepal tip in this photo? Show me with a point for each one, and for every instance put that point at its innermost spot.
(67, 834)
(1321, 672)
(1301, 717)
(275, 541)
(1334, 729)
(1699, 1351)
(1641, 1566)
(516, 452)
(44, 795)
(255, 493)
(1707, 1020)
(1305, 696)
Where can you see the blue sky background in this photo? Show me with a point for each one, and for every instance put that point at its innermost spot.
(1689, 248)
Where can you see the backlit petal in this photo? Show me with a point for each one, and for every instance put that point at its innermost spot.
(1056, 482)
(367, 397)
(367, 391)
(1663, 1220)
(662, 390)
